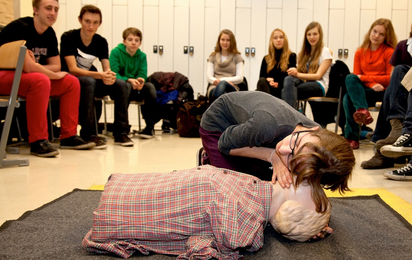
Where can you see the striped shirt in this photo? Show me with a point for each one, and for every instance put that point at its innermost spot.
(198, 213)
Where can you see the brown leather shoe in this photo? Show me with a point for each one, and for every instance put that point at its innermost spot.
(362, 116)
(378, 161)
(354, 144)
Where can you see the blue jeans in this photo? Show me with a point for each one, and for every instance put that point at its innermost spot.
(394, 104)
(221, 88)
(358, 96)
(91, 88)
(295, 89)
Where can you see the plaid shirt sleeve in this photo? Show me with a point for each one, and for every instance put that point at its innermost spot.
(199, 213)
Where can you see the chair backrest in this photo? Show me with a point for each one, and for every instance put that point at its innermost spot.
(9, 53)
(337, 76)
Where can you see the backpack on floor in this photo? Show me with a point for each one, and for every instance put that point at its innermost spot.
(189, 116)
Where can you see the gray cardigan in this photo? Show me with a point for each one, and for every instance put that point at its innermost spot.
(251, 118)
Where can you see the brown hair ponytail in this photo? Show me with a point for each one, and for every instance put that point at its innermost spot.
(324, 165)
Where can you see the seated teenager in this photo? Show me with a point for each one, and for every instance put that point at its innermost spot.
(79, 49)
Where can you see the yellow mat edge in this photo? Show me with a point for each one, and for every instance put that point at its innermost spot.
(97, 187)
(400, 205)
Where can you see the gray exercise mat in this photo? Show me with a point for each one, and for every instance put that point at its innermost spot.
(365, 228)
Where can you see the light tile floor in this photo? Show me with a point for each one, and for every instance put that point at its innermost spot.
(27, 188)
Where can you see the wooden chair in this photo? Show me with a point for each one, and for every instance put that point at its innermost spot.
(12, 56)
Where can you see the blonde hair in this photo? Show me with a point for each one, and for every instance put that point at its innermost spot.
(305, 55)
(233, 46)
(296, 222)
(390, 36)
(284, 58)
(327, 164)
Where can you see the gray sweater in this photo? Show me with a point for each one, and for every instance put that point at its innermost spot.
(251, 118)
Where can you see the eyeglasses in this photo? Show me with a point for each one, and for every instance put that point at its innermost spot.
(292, 144)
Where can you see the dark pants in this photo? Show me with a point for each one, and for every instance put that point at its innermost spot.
(295, 89)
(250, 166)
(91, 88)
(358, 96)
(394, 104)
(263, 85)
(150, 109)
(407, 124)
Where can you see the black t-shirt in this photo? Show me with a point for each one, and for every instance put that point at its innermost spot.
(71, 44)
(43, 46)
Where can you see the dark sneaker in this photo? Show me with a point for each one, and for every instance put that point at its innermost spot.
(123, 140)
(43, 148)
(100, 142)
(147, 133)
(402, 147)
(76, 142)
(402, 174)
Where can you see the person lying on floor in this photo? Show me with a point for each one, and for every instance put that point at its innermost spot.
(205, 212)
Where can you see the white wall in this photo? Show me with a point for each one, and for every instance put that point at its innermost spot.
(174, 24)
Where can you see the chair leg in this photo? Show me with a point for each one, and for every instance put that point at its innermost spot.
(51, 132)
(5, 136)
(304, 107)
(337, 119)
(138, 117)
(339, 109)
(105, 117)
(15, 149)
(96, 125)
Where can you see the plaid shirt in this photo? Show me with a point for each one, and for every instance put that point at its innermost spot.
(199, 213)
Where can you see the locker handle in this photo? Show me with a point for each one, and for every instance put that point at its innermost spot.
(346, 53)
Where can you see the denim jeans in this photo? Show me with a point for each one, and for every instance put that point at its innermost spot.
(294, 89)
(358, 96)
(150, 109)
(221, 88)
(394, 103)
(91, 88)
